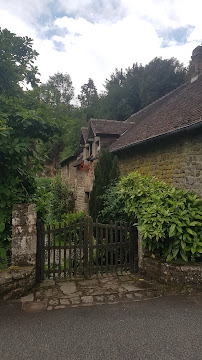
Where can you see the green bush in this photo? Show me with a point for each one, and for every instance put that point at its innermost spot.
(106, 171)
(73, 217)
(42, 197)
(169, 219)
(113, 206)
(61, 199)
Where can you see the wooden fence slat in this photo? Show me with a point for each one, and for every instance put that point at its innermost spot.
(49, 252)
(131, 252)
(102, 245)
(97, 248)
(121, 248)
(75, 249)
(125, 248)
(65, 240)
(116, 246)
(80, 247)
(107, 249)
(70, 250)
(60, 250)
(54, 251)
(85, 248)
(40, 256)
(111, 238)
(135, 252)
(90, 238)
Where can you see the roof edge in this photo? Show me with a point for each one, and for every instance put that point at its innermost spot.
(179, 130)
(67, 159)
(156, 101)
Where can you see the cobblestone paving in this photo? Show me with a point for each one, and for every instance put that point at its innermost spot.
(51, 295)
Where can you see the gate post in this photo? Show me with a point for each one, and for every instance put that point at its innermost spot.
(136, 252)
(40, 256)
(133, 251)
(24, 235)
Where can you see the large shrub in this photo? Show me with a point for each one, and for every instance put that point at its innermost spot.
(113, 206)
(106, 171)
(169, 219)
(42, 197)
(61, 199)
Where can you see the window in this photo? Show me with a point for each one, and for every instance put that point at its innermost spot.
(87, 197)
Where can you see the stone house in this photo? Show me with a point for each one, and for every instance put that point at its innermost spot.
(163, 139)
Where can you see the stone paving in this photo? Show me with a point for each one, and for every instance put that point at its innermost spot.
(51, 295)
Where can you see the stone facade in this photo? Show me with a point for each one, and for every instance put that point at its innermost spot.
(81, 184)
(176, 274)
(177, 160)
(24, 235)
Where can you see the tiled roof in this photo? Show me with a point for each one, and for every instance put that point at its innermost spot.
(71, 157)
(179, 109)
(79, 160)
(107, 127)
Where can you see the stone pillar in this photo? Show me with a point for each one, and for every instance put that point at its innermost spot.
(24, 235)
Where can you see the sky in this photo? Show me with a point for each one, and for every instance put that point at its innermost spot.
(90, 38)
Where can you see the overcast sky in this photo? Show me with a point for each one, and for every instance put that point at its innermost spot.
(90, 38)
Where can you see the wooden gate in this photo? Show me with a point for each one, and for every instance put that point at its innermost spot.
(85, 248)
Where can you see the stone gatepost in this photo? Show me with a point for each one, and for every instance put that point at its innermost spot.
(24, 235)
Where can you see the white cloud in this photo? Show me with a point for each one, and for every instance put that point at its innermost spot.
(98, 36)
(26, 10)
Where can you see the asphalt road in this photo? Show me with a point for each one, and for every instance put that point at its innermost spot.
(165, 328)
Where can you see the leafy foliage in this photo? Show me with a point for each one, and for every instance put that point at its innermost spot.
(106, 171)
(89, 98)
(16, 63)
(42, 197)
(61, 200)
(58, 90)
(113, 206)
(169, 219)
(129, 91)
(73, 217)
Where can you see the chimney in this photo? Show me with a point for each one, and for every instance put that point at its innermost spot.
(196, 64)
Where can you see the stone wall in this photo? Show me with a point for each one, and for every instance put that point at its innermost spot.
(16, 281)
(21, 276)
(164, 273)
(80, 183)
(177, 160)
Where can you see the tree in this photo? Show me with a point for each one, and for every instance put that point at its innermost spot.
(16, 63)
(19, 158)
(88, 94)
(127, 92)
(58, 90)
(106, 171)
(116, 79)
(89, 99)
(159, 78)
